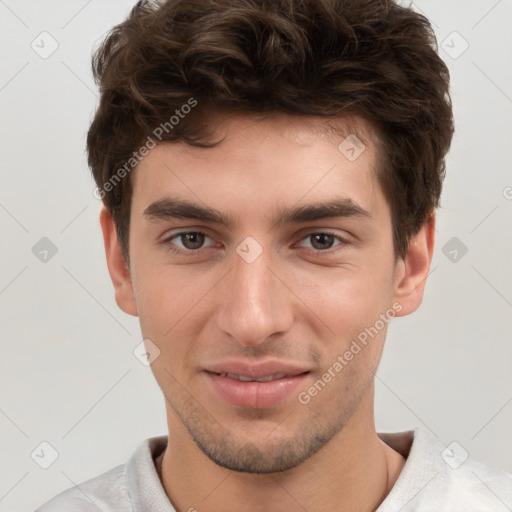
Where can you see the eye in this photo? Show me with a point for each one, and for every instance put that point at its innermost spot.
(323, 241)
(187, 241)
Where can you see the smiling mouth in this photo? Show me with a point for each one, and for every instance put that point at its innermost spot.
(255, 392)
(266, 378)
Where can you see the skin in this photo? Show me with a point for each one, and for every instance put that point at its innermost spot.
(294, 303)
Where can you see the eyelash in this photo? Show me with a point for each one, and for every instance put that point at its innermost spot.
(191, 252)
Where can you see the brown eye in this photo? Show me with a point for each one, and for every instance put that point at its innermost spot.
(322, 241)
(188, 242)
(192, 240)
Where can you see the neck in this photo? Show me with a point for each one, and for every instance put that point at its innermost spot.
(354, 471)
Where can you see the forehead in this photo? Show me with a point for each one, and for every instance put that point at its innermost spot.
(263, 162)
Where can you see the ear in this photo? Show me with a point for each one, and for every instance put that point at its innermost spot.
(411, 271)
(117, 267)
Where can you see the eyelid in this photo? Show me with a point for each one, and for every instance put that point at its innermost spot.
(167, 240)
(342, 240)
(173, 233)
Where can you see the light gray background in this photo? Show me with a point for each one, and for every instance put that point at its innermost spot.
(68, 375)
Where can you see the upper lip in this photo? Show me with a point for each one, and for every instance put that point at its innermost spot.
(257, 369)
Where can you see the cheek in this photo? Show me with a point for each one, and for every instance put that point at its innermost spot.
(357, 311)
(349, 299)
(160, 302)
(172, 310)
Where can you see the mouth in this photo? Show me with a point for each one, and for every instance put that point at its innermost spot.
(255, 386)
(266, 378)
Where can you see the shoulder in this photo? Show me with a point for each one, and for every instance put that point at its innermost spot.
(132, 485)
(102, 492)
(475, 485)
(444, 477)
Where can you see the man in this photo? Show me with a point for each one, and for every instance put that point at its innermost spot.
(270, 172)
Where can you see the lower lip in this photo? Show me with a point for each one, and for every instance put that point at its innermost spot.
(254, 395)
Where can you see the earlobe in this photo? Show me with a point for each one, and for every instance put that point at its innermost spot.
(117, 266)
(412, 270)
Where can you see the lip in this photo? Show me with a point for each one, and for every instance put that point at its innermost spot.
(252, 394)
(257, 369)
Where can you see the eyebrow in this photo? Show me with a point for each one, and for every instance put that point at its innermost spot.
(168, 208)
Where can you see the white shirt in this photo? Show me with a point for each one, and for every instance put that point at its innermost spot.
(434, 478)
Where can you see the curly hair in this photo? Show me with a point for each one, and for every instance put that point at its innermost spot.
(327, 58)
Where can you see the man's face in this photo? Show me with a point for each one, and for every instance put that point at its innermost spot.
(214, 305)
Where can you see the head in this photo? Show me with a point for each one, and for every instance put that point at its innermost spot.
(269, 172)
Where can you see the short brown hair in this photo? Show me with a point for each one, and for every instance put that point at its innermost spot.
(328, 58)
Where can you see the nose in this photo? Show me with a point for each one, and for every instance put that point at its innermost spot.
(255, 302)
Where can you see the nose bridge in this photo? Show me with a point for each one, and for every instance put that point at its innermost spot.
(255, 304)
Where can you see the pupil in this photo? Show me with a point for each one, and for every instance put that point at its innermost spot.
(322, 241)
(192, 240)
